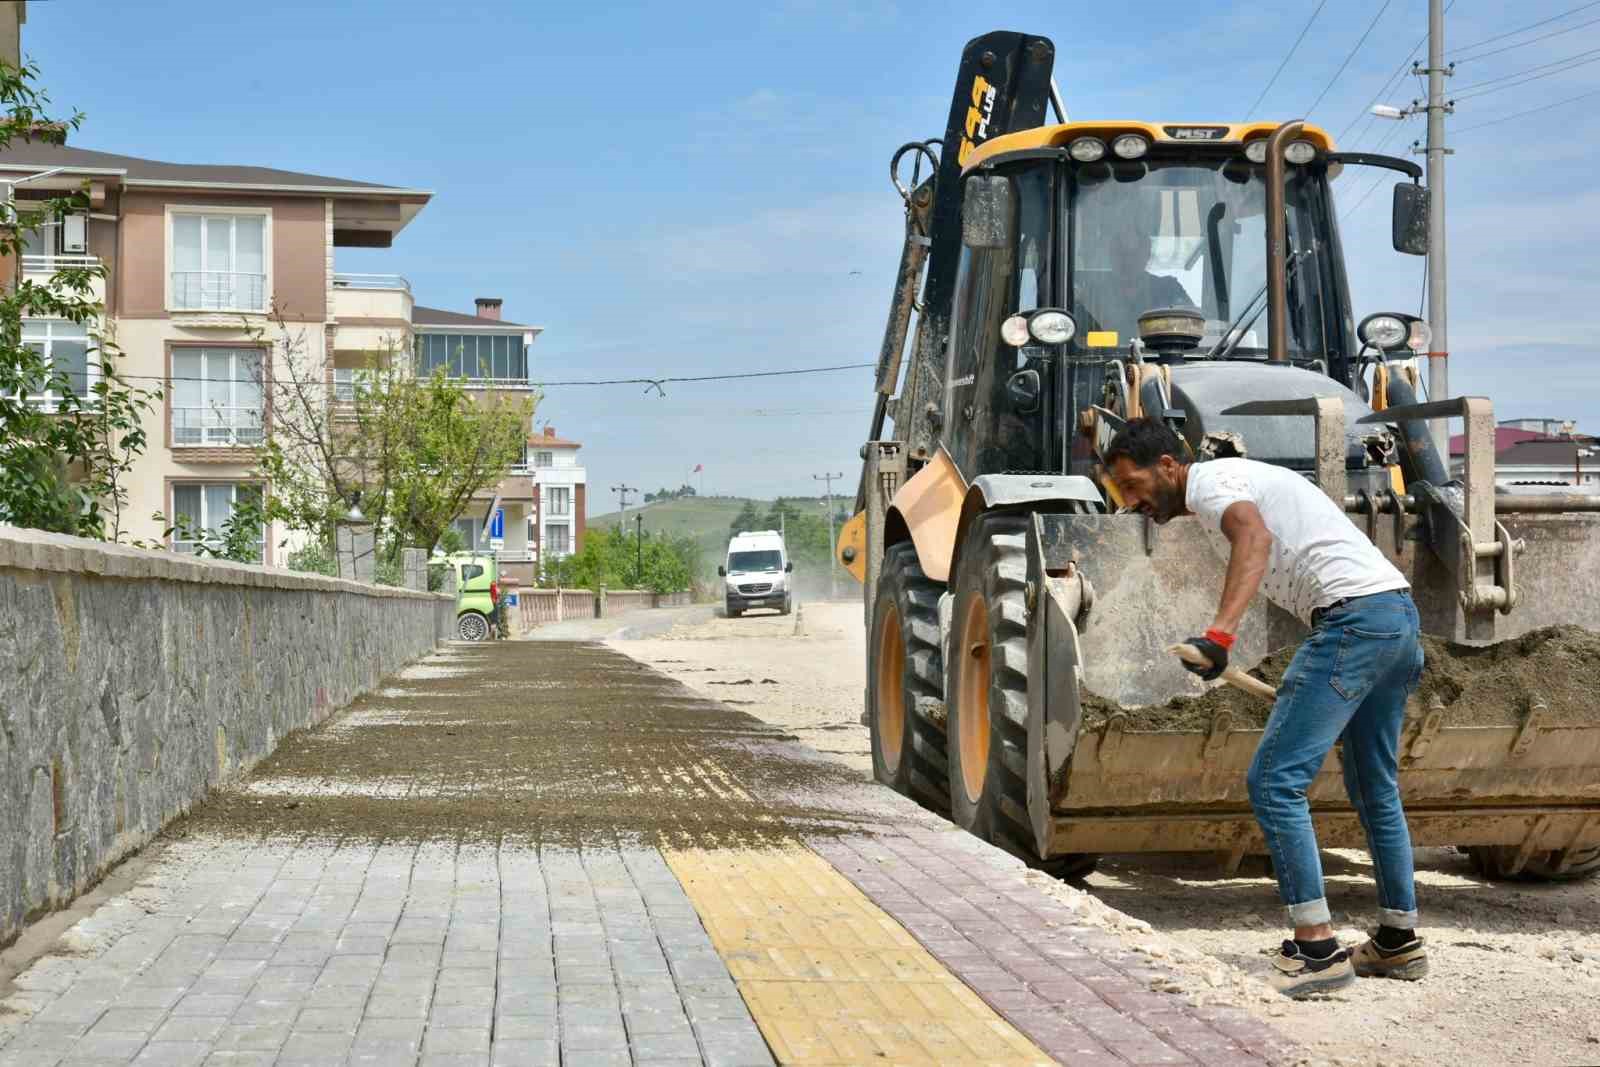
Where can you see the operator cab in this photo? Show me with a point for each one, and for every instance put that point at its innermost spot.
(1152, 240)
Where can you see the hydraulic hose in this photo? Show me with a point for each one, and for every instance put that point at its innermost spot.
(1419, 460)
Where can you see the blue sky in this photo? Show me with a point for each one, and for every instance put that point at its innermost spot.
(679, 189)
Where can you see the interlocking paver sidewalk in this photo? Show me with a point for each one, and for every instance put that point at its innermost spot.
(480, 864)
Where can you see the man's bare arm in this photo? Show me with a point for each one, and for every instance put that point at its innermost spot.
(1251, 544)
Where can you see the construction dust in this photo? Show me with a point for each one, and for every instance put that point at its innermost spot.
(1493, 685)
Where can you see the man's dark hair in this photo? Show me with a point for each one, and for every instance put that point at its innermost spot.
(1144, 441)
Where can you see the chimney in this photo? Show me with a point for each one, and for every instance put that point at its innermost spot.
(488, 307)
(550, 432)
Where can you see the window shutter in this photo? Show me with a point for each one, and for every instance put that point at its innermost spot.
(74, 234)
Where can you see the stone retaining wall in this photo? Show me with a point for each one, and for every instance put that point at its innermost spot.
(131, 682)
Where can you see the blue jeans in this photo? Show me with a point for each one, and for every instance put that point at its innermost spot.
(1349, 679)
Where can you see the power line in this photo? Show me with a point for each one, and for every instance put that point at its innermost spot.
(1349, 56)
(1530, 111)
(1530, 26)
(539, 385)
(1520, 44)
(1287, 56)
(1484, 88)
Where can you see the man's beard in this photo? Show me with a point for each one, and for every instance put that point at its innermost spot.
(1168, 504)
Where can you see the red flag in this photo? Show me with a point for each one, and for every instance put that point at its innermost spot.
(698, 467)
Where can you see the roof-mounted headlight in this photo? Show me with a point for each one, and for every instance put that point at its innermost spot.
(1130, 146)
(1256, 151)
(1087, 149)
(1051, 327)
(1300, 152)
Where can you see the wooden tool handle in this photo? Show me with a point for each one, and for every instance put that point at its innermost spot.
(1232, 675)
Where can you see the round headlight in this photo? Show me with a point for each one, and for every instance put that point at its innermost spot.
(1300, 152)
(1421, 338)
(1014, 331)
(1087, 149)
(1256, 151)
(1052, 327)
(1383, 332)
(1130, 146)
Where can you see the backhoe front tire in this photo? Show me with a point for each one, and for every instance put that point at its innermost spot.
(1497, 861)
(987, 697)
(905, 682)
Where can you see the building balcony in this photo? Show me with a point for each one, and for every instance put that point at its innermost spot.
(372, 312)
(40, 269)
(216, 427)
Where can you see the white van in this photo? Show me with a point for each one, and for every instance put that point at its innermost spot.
(757, 573)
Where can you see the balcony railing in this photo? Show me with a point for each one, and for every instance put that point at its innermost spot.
(216, 427)
(51, 264)
(371, 281)
(218, 290)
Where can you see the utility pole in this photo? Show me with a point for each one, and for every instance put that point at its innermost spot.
(1439, 351)
(638, 541)
(833, 563)
(622, 491)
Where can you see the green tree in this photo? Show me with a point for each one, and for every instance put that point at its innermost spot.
(409, 451)
(749, 518)
(68, 438)
(612, 557)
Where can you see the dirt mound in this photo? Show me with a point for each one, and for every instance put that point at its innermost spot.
(1493, 685)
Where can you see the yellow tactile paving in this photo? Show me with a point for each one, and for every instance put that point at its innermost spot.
(829, 976)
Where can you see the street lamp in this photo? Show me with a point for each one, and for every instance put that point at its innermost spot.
(638, 565)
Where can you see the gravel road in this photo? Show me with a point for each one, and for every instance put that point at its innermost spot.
(1516, 967)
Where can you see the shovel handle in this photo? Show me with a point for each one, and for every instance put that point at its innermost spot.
(1232, 675)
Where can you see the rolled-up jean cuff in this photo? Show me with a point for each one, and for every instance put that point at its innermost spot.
(1310, 913)
(1400, 920)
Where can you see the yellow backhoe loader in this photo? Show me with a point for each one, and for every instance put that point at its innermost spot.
(1064, 278)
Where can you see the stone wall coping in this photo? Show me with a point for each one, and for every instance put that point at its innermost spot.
(26, 549)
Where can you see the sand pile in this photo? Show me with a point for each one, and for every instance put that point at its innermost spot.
(1487, 686)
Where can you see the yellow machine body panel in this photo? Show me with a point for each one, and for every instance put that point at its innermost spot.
(1059, 136)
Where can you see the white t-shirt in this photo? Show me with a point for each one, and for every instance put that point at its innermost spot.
(1318, 555)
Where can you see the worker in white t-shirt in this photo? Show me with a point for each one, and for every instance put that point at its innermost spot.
(1283, 537)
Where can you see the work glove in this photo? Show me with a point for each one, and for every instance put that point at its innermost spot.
(1212, 651)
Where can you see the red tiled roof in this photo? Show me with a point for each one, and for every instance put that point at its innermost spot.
(1504, 437)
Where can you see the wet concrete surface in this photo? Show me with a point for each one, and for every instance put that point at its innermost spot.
(552, 742)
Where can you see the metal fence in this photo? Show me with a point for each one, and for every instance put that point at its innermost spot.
(542, 606)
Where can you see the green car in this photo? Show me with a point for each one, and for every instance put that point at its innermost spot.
(477, 595)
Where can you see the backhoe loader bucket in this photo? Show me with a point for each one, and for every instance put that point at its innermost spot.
(1114, 591)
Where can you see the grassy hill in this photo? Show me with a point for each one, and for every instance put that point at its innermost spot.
(704, 519)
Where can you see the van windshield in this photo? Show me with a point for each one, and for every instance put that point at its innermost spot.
(754, 561)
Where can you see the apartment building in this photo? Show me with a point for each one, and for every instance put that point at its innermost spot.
(560, 489)
(202, 264)
(534, 513)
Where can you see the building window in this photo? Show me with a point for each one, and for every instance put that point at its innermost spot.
(55, 243)
(473, 356)
(344, 385)
(474, 538)
(560, 499)
(205, 509)
(219, 262)
(557, 541)
(216, 397)
(64, 347)
(544, 459)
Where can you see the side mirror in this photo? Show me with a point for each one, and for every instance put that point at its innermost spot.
(788, 567)
(1024, 389)
(986, 211)
(1410, 219)
(722, 572)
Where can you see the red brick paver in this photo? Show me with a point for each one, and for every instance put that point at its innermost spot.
(1073, 989)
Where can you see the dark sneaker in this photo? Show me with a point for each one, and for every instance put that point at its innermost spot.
(1408, 962)
(1295, 974)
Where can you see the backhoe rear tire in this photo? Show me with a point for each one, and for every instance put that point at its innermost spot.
(1497, 861)
(905, 682)
(987, 694)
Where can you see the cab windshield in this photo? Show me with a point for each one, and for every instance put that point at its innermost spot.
(749, 562)
(1150, 234)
